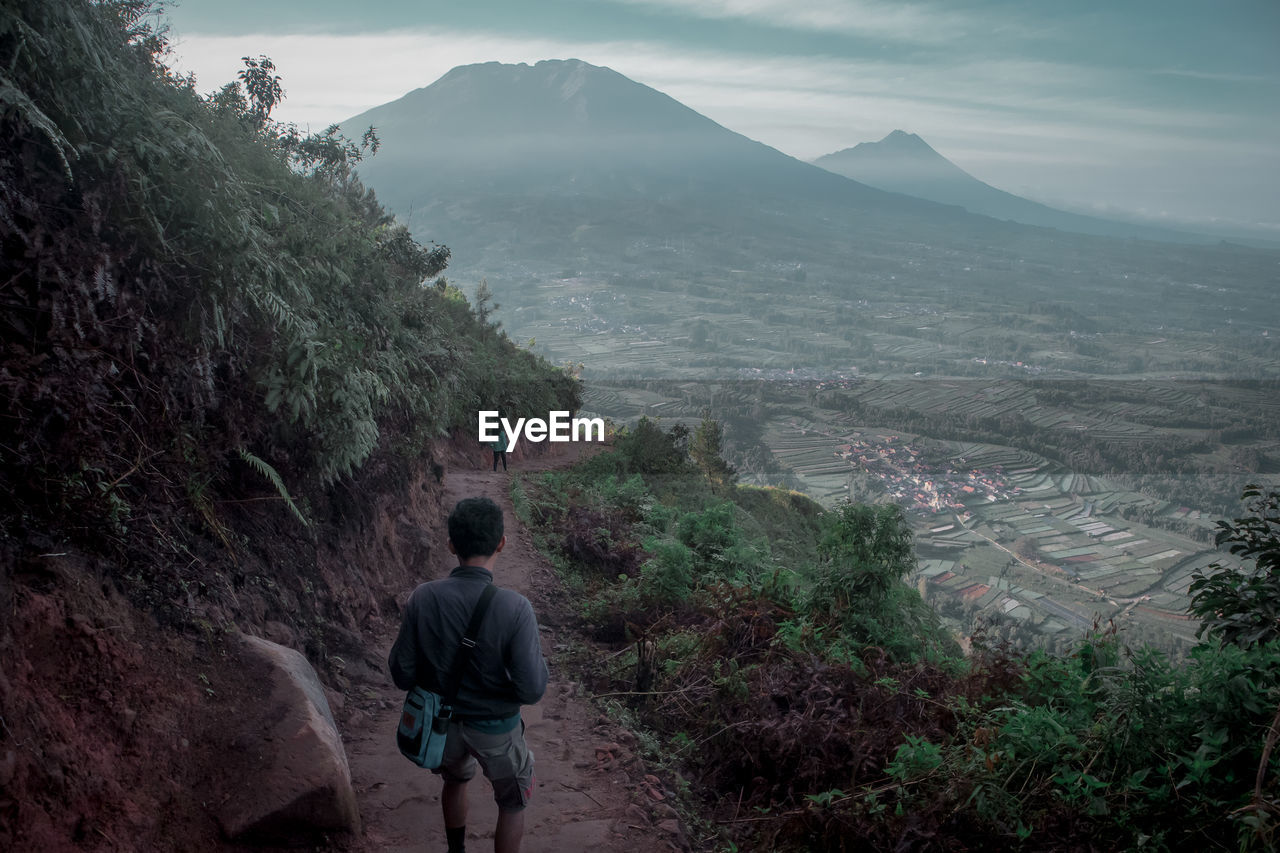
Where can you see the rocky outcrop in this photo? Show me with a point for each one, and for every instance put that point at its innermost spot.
(291, 775)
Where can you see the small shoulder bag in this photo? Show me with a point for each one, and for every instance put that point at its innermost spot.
(424, 721)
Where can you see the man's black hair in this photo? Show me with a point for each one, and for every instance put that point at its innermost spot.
(475, 527)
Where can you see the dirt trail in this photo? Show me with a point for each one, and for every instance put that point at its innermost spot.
(583, 799)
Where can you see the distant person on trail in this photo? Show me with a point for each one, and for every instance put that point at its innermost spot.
(500, 450)
(506, 670)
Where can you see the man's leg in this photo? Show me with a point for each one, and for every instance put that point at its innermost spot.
(495, 460)
(506, 838)
(508, 763)
(456, 769)
(453, 801)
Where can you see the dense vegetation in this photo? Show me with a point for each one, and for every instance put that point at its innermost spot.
(221, 362)
(775, 657)
(200, 304)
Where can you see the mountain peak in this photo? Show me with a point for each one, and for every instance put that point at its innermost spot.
(900, 143)
(899, 147)
(508, 68)
(904, 163)
(553, 96)
(563, 77)
(898, 151)
(901, 137)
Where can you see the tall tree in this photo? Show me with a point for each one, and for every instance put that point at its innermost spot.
(705, 450)
(262, 87)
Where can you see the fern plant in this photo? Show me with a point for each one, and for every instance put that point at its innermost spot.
(273, 477)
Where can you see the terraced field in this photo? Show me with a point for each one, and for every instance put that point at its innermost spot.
(1004, 535)
(1076, 460)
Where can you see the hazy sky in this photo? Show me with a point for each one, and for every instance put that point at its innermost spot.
(1168, 108)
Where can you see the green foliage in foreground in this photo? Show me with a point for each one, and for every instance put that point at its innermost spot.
(685, 530)
(814, 693)
(1134, 751)
(188, 284)
(867, 551)
(1243, 607)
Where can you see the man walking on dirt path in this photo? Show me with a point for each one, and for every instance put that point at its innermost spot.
(507, 670)
(500, 450)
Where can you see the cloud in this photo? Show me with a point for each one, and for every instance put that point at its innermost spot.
(1214, 76)
(328, 78)
(906, 22)
(835, 103)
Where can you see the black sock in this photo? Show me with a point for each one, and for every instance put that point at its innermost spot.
(457, 837)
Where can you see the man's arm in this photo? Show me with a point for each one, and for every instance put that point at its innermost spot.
(403, 661)
(525, 664)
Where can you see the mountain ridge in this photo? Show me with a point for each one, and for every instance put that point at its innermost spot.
(905, 163)
(492, 156)
(573, 118)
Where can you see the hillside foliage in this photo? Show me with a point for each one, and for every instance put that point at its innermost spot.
(196, 298)
(1243, 606)
(225, 371)
(777, 658)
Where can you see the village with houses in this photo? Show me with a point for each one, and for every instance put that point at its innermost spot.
(1006, 540)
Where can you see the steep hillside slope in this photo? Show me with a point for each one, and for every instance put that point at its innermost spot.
(810, 700)
(224, 379)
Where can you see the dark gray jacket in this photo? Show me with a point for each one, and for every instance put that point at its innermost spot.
(507, 669)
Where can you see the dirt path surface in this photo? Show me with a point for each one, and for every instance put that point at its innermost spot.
(591, 792)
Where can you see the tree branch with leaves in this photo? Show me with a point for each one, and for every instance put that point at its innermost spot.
(1243, 606)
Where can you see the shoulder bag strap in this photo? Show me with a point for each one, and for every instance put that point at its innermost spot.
(465, 646)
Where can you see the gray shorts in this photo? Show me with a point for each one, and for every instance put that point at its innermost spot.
(505, 759)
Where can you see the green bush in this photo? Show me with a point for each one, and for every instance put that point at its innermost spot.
(205, 282)
(866, 552)
(667, 577)
(1243, 607)
(711, 532)
(647, 449)
(1146, 753)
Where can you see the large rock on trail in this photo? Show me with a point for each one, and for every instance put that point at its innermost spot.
(289, 776)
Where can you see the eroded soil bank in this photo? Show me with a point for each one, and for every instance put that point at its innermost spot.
(119, 697)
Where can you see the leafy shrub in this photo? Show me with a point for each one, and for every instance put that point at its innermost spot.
(866, 551)
(630, 497)
(705, 451)
(1243, 607)
(647, 449)
(599, 540)
(916, 757)
(1134, 753)
(711, 532)
(668, 574)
